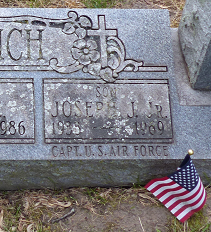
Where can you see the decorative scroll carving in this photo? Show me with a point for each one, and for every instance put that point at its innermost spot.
(106, 59)
(66, 46)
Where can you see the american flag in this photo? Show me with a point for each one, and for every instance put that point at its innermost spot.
(182, 192)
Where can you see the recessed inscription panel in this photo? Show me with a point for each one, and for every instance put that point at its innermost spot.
(97, 112)
(16, 111)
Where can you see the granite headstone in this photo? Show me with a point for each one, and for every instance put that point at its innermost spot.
(89, 97)
(195, 37)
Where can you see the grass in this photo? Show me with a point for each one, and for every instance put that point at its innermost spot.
(95, 194)
(42, 3)
(197, 223)
(174, 6)
(99, 3)
(35, 210)
(31, 209)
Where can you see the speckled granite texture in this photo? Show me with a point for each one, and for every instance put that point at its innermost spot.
(92, 99)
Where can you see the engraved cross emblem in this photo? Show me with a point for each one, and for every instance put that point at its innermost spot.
(102, 32)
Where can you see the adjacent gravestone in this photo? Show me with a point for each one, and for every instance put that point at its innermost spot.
(89, 98)
(195, 37)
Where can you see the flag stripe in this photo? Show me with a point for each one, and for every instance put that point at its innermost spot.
(185, 205)
(185, 199)
(186, 193)
(168, 195)
(171, 195)
(155, 182)
(165, 188)
(193, 208)
(172, 184)
(193, 200)
(182, 192)
(192, 212)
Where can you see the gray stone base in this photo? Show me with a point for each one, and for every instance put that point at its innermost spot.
(106, 173)
(65, 174)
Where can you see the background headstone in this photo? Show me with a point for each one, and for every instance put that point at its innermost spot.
(195, 39)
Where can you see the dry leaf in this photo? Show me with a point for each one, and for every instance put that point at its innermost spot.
(30, 228)
(26, 204)
(1, 218)
(21, 223)
(145, 196)
(52, 203)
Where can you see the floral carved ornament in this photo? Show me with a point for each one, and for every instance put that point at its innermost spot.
(98, 51)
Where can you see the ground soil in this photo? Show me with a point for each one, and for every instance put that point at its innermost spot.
(126, 215)
(95, 210)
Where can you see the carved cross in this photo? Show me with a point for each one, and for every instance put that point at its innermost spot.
(102, 32)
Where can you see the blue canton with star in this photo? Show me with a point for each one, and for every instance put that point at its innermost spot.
(186, 175)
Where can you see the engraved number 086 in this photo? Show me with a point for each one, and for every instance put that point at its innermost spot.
(12, 128)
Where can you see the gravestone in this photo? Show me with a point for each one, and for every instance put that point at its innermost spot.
(195, 37)
(89, 97)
